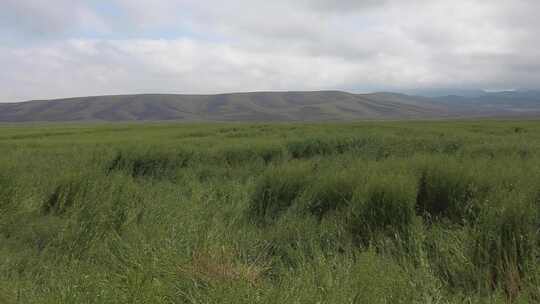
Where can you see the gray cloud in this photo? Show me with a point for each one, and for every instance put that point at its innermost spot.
(36, 18)
(192, 46)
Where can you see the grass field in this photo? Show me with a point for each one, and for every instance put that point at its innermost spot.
(379, 212)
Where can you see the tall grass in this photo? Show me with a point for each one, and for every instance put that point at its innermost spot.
(505, 243)
(448, 189)
(328, 192)
(416, 212)
(277, 190)
(384, 208)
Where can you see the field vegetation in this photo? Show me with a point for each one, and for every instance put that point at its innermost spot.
(374, 212)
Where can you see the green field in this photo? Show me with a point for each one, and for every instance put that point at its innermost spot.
(375, 212)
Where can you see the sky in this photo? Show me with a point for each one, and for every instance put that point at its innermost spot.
(65, 48)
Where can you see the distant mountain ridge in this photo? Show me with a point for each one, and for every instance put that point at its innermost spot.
(526, 102)
(269, 106)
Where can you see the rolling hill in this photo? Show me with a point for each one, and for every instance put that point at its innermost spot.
(271, 106)
(259, 106)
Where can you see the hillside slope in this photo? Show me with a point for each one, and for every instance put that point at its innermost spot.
(258, 106)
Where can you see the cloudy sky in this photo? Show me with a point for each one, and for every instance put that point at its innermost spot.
(67, 48)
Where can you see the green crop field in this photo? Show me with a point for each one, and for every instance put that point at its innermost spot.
(374, 212)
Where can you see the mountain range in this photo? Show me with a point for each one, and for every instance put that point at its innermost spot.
(273, 106)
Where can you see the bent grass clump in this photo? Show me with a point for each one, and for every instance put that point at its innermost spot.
(276, 191)
(328, 192)
(311, 147)
(150, 164)
(447, 190)
(7, 192)
(63, 197)
(237, 155)
(385, 207)
(222, 266)
(505, 243)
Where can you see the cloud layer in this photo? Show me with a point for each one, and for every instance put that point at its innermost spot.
(186, 46)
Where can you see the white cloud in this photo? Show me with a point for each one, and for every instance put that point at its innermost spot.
(86, 67)
(189, 46)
